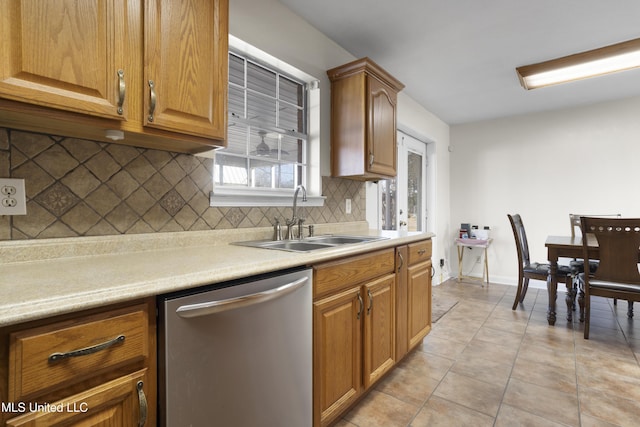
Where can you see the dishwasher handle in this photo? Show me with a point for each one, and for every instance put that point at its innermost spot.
(212, 307)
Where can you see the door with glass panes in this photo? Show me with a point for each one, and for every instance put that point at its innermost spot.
(403, 198)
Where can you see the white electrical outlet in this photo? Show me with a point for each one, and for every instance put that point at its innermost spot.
(12, 197)
(347, 207)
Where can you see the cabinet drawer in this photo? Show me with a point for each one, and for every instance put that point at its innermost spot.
(419, 251)
(333, 276)
(61, 354)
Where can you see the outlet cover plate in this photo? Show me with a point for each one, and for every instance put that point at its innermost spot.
(12, 197)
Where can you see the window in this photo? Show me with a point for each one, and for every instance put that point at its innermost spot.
(273, 136)
(267, 129)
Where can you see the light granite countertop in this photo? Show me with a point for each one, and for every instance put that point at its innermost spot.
(43, 278)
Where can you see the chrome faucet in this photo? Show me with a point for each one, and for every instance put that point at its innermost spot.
(294, 219)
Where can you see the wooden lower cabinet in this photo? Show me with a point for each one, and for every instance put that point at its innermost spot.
(419, 302)
(414, 303)
(337, 366)
(369, 311)
(93, 368)
(121, 402)
(354, 331)
(379, 328)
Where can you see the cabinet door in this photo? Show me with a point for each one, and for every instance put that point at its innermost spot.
(64, 54)
(379, 328)
(381, 140)
(186, 66)
(337, 344)
(121, 402)
(419, 308)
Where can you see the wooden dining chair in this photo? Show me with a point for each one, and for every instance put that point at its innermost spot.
(577, 264)
(531, 270)
(617, 275)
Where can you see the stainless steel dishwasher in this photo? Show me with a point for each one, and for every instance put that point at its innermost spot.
(238, 354)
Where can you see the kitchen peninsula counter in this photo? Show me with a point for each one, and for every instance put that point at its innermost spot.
(44, 278)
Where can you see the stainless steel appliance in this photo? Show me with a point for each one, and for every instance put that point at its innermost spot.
(238, 354)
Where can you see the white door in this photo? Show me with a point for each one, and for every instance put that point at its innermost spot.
(403, 200)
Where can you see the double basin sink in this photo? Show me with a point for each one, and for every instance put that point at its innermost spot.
(310, 243)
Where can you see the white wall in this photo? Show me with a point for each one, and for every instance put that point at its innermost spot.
(543, 166)
(271, 27)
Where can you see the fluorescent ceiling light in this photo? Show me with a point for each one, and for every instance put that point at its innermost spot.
(597, 62)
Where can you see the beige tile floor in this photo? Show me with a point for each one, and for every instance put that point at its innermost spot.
(486, 365)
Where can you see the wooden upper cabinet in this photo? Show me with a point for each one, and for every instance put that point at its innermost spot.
(363, 121)
(155, 70)
(382, 129)
(186, 66)
(64, 54)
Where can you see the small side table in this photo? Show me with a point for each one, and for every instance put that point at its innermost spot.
(473, 243)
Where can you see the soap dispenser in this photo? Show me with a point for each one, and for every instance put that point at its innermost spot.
(277, 230)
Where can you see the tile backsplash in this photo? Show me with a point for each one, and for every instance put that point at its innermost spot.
(78, 187)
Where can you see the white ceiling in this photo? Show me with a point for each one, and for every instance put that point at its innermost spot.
(457, 58)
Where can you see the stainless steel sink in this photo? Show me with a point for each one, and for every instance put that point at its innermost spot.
(343, 240)
(293, 245)
(310, 243)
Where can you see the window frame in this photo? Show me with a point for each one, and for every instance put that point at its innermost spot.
(230, 195)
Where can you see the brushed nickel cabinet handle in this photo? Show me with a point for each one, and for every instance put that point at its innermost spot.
(401, 261)
(370, 301)
(121, 91)
(371, 157)
(142, 399)
(152, 100)
(361, 306)
(422, 252)
(54, 357)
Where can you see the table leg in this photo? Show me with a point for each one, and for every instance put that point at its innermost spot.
(486, 265)
(552, 288)
(460, 256)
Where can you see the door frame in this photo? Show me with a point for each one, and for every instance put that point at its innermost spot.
(408, 144)
(373, 201)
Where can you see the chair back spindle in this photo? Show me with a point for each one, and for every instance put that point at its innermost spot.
(575, 220)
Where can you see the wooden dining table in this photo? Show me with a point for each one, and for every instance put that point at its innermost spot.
(564, 247)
